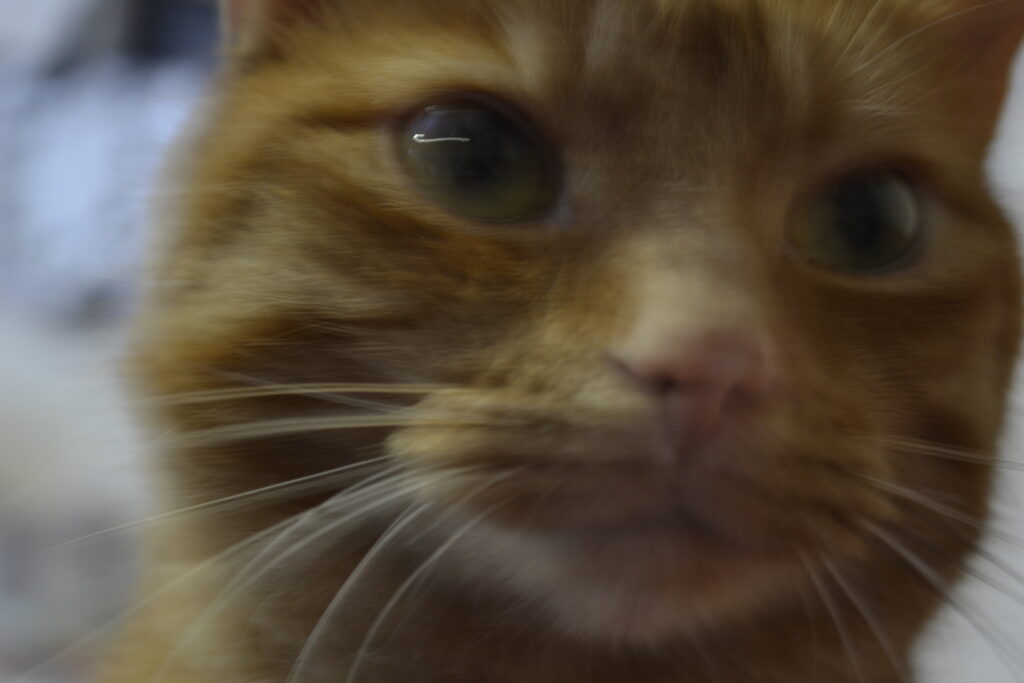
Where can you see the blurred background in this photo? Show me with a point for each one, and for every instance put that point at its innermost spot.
(91, 94)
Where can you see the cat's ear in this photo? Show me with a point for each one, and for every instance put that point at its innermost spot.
(252, 28)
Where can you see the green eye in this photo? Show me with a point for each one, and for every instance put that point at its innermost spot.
(479, 162)
(863, 222)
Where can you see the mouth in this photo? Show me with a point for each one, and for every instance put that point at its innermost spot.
(676, 539)
(636, 509)
(641, 551)
(671, 524)
(640, 579)
(656, 502)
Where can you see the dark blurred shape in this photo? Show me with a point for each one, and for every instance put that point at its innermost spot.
(172, 29)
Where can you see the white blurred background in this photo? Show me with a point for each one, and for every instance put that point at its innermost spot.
(91, 92)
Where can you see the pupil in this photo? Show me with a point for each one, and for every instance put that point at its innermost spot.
(469, 149)
(862, 215)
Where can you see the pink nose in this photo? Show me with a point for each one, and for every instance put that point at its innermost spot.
(698, 380)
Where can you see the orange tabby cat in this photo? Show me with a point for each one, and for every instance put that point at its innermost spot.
(579, 340)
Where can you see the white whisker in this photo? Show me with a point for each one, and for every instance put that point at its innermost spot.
(940, 509)
(837, 618)
(96, 633)
(949, 453)
(255, 496)
(992, 637)
(352, 580)
(245, 576)
(307, 389)
(412, 579)
(307, 425)
(870, 618)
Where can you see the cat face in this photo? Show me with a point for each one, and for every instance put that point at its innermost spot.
(696, 294)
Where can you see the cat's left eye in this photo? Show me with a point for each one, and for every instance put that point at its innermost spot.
(479, 161)
(865, 221)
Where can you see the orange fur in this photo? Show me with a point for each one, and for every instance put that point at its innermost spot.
(691, 132)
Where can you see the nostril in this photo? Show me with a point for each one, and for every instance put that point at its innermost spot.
(662, 384)
(712, 361)
(698, 378)
(649, 380)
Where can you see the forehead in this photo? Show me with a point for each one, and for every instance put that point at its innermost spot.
(762, 50)
(697, 25)
(711, 69)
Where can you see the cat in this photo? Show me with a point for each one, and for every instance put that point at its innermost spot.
(577, 340)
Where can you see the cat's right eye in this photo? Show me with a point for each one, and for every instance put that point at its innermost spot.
(479, 161)
(865, 221)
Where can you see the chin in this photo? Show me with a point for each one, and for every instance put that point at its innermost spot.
(643, 583)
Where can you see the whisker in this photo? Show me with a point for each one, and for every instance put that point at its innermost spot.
(1017, 576)
(227, 503)
(412, 579)
(836, 616)
(870, 618)
(406, 585)
(355, 398)
(318, 632)
(90, 638)
(340, 502)
(964, 567)
(948, 453)
(308, 389)
(361, 403)
(992, 637)
(306, 425)
(245, 577)
(439, 520)
(809, 611)
(938, 508)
